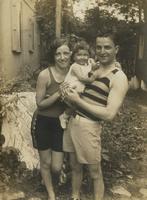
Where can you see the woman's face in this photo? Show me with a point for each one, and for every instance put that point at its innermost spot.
(62, 57)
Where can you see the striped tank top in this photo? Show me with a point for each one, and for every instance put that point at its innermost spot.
(97, 93)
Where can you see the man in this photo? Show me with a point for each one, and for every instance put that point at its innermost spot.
(101, 100)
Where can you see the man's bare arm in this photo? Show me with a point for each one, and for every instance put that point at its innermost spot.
(116, 96)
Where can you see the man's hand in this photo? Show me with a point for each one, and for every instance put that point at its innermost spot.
(71, 96)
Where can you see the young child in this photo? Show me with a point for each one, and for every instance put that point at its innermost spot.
(81, 72)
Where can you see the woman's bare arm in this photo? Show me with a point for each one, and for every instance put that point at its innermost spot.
(41, 98)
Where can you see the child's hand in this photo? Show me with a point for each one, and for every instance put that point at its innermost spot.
(117, 64)
(91, 61)
(95, 66)
(93, 71)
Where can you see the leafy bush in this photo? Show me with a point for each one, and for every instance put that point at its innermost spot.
(122, 142)
(10, 165)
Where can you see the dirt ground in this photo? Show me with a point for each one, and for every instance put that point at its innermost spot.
(32, 189)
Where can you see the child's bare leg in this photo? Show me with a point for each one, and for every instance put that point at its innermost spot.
(65, 117)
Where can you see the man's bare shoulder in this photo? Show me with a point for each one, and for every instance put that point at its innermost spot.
(120, 75)
(120, 80)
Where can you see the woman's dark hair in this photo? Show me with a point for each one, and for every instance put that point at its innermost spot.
(58, 42)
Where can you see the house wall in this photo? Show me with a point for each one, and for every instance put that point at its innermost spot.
(19, 39)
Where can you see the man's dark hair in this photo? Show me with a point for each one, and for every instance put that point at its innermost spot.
(108, 33)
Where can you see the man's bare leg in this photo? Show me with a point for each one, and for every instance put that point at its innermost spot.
(98, 184)
(77, 175)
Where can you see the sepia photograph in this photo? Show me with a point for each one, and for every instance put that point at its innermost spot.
(73, 100)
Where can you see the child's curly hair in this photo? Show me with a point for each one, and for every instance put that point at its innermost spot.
(81, 45)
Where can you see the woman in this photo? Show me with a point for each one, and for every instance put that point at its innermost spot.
(48, 132)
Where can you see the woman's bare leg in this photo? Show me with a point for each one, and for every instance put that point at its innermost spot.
(45, 167)
(57, 162)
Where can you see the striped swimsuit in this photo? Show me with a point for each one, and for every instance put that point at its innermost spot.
(83, 134)
(97, 93)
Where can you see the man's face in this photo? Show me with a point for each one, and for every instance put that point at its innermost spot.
(106, 50)
(62, 56)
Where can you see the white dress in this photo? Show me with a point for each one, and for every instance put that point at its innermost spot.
(78, 82)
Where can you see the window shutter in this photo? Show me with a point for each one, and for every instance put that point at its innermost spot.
(16, 25)
(31, 36)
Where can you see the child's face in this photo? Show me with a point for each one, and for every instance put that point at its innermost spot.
(81, 57)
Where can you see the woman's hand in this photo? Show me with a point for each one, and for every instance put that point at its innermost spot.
(68, 94)
(64, 87)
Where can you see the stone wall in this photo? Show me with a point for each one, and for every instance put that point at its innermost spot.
(16, 125)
